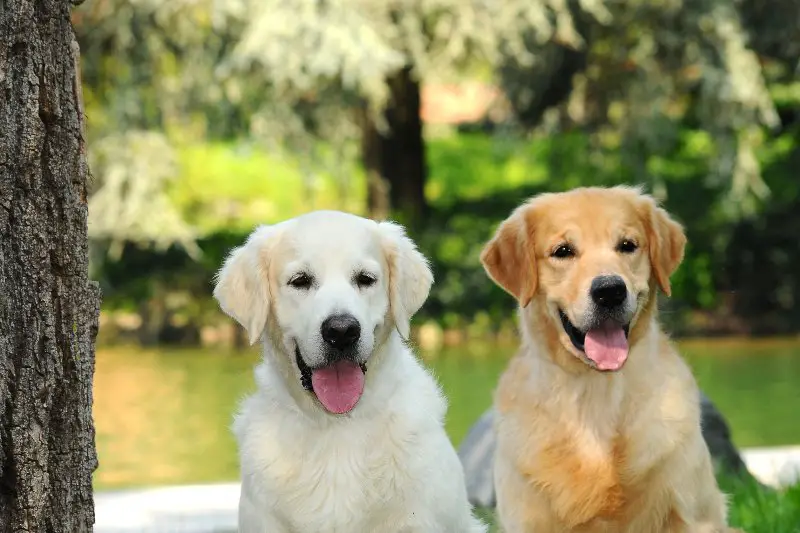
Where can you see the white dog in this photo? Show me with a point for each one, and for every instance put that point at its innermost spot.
(345, 432)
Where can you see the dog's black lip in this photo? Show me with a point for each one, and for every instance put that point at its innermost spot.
(306, 371)
(577, 336)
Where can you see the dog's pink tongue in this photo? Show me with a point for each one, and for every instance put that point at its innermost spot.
(607, 347)
(338, 386)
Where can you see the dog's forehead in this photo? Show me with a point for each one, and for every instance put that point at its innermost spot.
(331, 238)
(587, 215)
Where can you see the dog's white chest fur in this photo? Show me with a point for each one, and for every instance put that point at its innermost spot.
(376, 470)
(342, 476)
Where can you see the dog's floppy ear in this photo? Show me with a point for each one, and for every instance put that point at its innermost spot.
(410, 276)
(666, 243)
(242, 284)
(509, 259)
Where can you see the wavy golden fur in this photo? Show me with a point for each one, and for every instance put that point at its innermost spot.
(579, 449)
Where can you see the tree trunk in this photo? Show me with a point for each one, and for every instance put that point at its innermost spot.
(48, 307)
(394, 156)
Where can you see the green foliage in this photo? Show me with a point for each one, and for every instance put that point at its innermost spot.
(206, 118)
(132, 171)
(304, 43)
(224, 190)
(637, 73)
(647, 71)
(227, 187)
(148, 64)
(293, 72)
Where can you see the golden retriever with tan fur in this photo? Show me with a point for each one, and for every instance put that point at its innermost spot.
(598, 416)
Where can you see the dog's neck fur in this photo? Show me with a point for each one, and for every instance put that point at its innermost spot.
(562, 377)
(561, 383)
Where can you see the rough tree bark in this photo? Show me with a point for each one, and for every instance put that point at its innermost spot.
(394, 159)
(48, 307)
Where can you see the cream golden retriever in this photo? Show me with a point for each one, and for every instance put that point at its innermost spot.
(345, 431)
(598, 416)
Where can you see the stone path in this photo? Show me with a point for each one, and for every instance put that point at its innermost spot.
(778, 466)
(180, 509)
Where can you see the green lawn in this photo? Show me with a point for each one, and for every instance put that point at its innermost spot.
(757, 510)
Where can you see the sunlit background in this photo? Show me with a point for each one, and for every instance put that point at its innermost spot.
(207, 117)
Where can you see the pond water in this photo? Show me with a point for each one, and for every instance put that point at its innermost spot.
(163, 416)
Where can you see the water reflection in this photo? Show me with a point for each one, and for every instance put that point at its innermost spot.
(163, 416)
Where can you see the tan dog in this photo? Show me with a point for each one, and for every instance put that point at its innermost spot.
(598, 415)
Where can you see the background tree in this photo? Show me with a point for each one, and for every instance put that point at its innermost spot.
(204, 105)
(637, 68)
(48, 307)
(634, 75)
(643, 75)
(381, 52)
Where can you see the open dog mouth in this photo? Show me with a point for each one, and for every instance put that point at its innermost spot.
(338, 386)
(605, 346)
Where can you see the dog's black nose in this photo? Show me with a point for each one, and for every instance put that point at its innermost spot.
(341, 331)
(608, 291)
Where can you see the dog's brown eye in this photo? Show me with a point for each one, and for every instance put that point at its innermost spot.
(563, 251)
(301, 281)
(363, 279)
(627, 246)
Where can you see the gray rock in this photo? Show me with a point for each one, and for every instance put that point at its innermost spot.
(477, 451)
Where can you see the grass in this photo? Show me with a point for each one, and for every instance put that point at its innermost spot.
(752, 508)
(759, 510)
